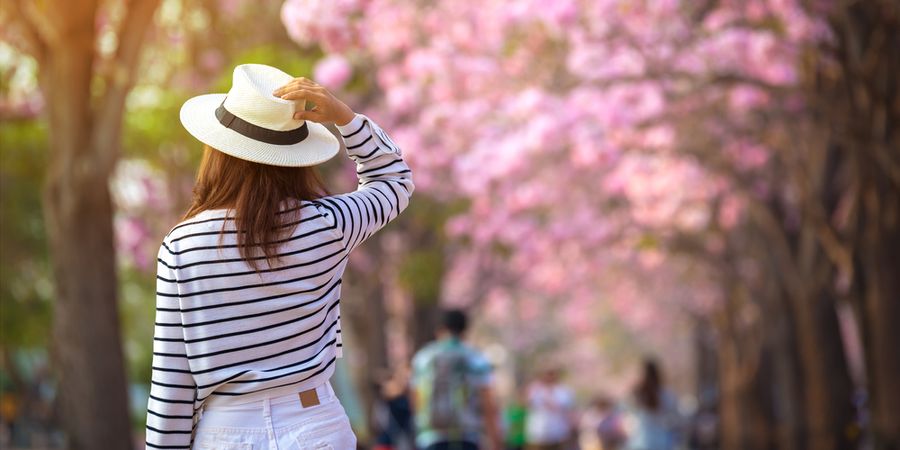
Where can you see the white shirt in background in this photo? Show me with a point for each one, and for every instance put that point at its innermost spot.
(549, 414)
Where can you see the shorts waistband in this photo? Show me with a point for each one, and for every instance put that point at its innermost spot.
(323, 392)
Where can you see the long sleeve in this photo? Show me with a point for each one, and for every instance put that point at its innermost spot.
(385, 183)
(170, 408)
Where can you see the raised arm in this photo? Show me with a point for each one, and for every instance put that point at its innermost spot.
(385, 181)
(170, 408)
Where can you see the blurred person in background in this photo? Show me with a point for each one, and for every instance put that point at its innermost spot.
(704, 428)
(453, 403)
(247, 329)
(514, 416)
(393, 412)
(550, 413)
(612, 430)
(600, 426)
(10, 407)
(652, 420)
(28, 413)
(589, 424)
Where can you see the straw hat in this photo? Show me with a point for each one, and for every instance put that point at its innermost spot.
(252, 124)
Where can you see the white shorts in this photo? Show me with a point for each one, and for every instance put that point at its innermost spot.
(275, 423)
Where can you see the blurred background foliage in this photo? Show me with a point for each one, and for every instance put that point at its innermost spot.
(189, 52)
(712, 299)
(25, 283)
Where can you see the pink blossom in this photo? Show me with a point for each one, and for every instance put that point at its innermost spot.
(568, 131)
(212, 60)
(730, 211)
(333, 71)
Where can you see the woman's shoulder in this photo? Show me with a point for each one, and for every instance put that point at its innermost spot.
(199, 230)
(207, 225)
(210, 219)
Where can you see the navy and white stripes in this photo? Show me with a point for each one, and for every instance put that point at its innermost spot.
(223, 329)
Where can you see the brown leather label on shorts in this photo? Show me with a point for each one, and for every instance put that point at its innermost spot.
(309, 398)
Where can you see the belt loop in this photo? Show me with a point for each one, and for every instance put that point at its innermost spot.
(267, 408)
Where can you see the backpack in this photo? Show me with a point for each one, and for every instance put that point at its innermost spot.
(450, 394)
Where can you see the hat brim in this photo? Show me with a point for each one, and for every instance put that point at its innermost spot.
(199, 119)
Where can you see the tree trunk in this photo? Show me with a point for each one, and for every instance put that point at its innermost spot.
(745, 421)
(364, 325)
(87, 351)
(85, 119)
(804, 272)
(881, 309)
(787, 395)
(861, 104)
(424, 322)
(826, 380)
(827, 385)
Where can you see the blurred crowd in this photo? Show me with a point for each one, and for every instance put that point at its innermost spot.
(446, 401)
(28, 412)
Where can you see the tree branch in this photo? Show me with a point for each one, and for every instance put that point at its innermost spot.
(119, 74)
(35, 30)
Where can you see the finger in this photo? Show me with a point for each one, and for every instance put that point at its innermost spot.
(314, 115)
(299, 94)
(312, 85)
(295, 84)
(292, 85)
(305, 82)
(284, 89)
(305, 94)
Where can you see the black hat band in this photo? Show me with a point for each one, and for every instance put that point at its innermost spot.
(258, 133)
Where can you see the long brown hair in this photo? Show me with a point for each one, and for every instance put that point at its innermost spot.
(256, 194)
(649, 388)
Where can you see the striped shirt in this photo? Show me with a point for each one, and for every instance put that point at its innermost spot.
(224, 330)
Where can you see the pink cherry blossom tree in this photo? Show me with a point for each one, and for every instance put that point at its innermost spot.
(631, 158)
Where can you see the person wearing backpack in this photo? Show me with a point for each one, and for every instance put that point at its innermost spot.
(452, 400)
